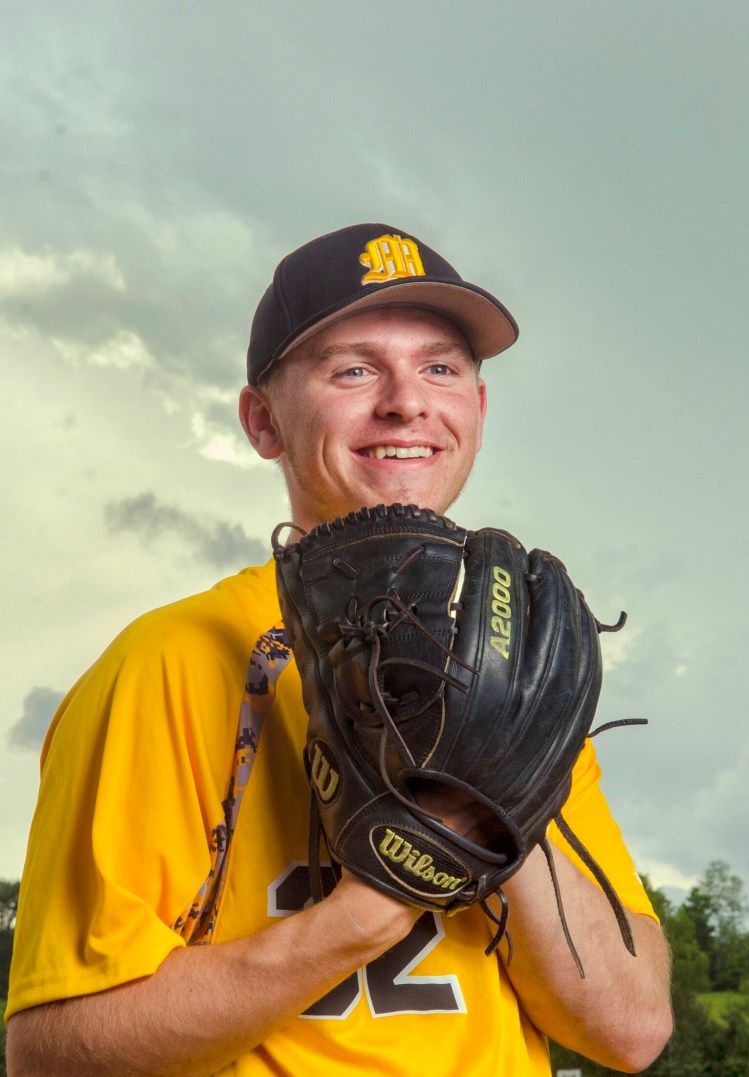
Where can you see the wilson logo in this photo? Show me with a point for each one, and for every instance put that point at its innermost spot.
(390, 258)
(501, 621)
(395, 848)
(323, 776)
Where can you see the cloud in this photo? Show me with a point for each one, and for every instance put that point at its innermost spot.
(122, 351)
(214, 542)
(616, 648)
(218, 441)
(668, 874)
(39, 708)
(23, 274)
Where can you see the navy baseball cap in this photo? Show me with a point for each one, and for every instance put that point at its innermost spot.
(365, 266)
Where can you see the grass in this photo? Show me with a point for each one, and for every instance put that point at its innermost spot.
(719, 1003)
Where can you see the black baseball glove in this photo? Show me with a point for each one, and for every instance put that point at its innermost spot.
(447, 674)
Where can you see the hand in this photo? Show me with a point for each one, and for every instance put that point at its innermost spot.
(373, 913)
(459, 811)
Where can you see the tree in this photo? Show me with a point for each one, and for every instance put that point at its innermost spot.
(718, 908)
(727, 1044)
(8, 907)
(683, 1055)
(8, 903)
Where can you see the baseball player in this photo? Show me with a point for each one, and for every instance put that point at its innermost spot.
(166, 923)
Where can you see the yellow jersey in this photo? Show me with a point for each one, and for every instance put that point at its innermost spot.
(174, 811)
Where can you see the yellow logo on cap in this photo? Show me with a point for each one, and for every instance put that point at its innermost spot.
(390, 258)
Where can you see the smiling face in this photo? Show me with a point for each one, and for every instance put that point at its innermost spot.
(381, 407)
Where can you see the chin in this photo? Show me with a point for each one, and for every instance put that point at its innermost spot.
(406, 497)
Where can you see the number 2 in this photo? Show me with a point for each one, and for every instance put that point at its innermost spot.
(387, 981)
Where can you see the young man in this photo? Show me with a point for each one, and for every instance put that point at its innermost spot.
(173, 804)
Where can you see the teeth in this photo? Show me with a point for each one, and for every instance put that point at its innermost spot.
(379, 452)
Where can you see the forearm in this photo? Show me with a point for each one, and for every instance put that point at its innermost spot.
(619, 1014)
(207, 1005)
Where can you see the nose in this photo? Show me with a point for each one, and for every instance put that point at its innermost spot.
(402, 396)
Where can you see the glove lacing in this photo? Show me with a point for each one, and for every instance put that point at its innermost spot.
(373, 632)
(360, 624)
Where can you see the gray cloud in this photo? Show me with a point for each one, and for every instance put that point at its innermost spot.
(213, 542)
(39, 708)
(679, 784)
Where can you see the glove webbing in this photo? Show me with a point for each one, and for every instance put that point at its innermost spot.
(372, 633)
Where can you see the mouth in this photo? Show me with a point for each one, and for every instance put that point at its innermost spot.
(397, 452)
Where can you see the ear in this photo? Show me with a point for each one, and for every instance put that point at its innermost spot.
(257, 422)
(482, 410)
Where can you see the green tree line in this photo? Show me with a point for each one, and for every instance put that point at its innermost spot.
(8, 906)
(709, 938)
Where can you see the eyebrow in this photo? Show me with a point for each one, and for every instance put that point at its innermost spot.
(371, 349)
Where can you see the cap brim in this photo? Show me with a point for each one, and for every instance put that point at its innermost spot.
(488, 326)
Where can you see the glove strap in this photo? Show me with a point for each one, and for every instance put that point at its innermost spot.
(601, 878)
(544, 843)
(313, 854)
(501, 922)
(618, 724)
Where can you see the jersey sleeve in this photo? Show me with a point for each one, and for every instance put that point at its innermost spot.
(587, 813)
(130, 803)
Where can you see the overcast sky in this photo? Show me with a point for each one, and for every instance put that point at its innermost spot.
(585, 161)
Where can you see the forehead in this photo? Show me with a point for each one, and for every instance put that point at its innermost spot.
(413, 327)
